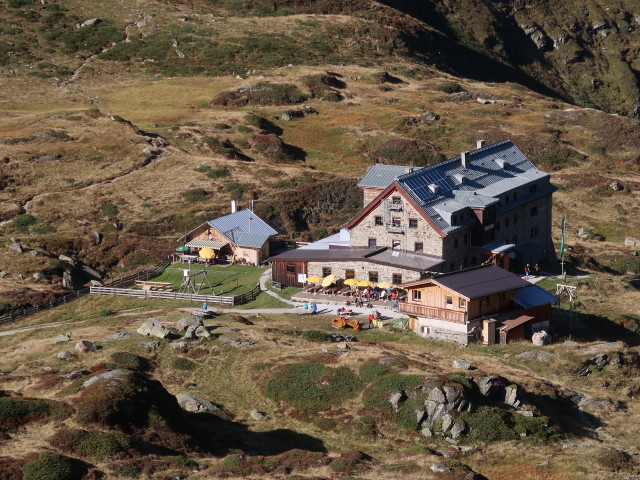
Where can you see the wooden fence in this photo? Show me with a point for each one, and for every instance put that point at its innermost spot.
(210, 299)
(119, 283)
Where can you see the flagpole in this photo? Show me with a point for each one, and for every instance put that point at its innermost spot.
(563, 224)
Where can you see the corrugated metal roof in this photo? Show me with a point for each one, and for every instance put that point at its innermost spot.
(244, 221)
(381, 176)
(534, 296)
(480, 281)
(244, 239)
(214, 244)
(342, 238)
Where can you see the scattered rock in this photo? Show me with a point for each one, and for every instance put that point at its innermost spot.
(511, 396)
(97, 238)
(95, 283)
(90, 272)
(178, 345)
(631, 242)
(21, 348)
(525, 413)
(396, 398)
(86, 346)
(14, 247)
(67, 259)
(192, 403)
(615, 186)
(257, 415)
(426, 432)
(237, 342)
(541, 338)
(64, 355)
(484, 101)
(440, 468)
(119, 336)
(92, 22)
(458, 429)
(4, 274)
(153, 328)
(490, 386)
(190, 334)
(149, 345)
(447, 422)
(569, 444)
(536, 355)
(202, 332)
(39, 276)
(595, 404)
(601, 360)
(63, 337)
(35, 253)
(44, 158)
(431, 116)
(75, 374)
(461, 364)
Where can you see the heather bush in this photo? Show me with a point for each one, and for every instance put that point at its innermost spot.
(51, 466)
(130, 361)
(400, 151)
(17, 411)
(262, 93)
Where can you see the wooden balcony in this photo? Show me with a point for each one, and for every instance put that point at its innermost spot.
(416, 310)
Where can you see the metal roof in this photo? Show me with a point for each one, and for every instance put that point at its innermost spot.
(214, 244)
(491, 171)
(514, 322)
(476, 282)
(244, 221)
(244, 239)
(381, 176)
(342, 238)
(406, 260)
(534, 296)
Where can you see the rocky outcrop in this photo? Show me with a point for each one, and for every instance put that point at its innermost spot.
(541, 338)
(63, 337)
(461, 364)
(186, 322)
(192, 403)
(86, 346)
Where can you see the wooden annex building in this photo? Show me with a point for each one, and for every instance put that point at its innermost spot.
(484, 304)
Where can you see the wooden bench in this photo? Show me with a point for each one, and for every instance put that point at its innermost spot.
(158, 286)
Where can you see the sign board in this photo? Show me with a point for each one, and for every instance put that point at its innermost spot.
(302, 278)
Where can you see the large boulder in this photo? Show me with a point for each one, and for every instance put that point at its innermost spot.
(153, 328)
(86, 346)
(189, 321)
(202, 332)
(190, 334)
(63, 337)
(490, 386)
(111, 377)
(119, 336)
(395, 399)
(541, 338)
(14, 247)
(195, 404)
(458, 429)
(461, 364)
(64, 355)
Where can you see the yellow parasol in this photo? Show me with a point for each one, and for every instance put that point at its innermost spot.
(384, 285)
(328, 280)
(351, 281)
(207, 253)
(314, 279)
(365, 283)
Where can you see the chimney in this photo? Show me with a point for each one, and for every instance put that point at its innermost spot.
(234, 206)
(479, 143)
(464, 159)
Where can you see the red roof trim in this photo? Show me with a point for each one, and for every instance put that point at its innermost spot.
(394, 187)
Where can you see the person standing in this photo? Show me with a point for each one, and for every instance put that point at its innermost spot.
(527, 272)
(371, 319)
(314, 308)
(536, 269)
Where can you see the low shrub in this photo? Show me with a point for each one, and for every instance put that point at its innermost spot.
(401, 151)
(17, 411)
(109, 209)
(272, 147)
(106, 312)
(22, 222)
(555, 159)
(51, 466)
(323, 86)
(539, 429)
(377, 393)
(183, 364)
(628, 265)
(129, 470)
(615, 460)
(313, 386)
(488, 424)
(262, 93)
(371, 370)
(237, 190)
(196, 195)
(130, 361)
(97, 446)
(218, 172)
(315, 336)
(449, 87)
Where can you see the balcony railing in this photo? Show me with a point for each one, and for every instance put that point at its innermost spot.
(392, 229)
(433, 312)
(395, 206)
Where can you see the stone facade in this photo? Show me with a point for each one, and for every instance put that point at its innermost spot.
(361, 270)
(460, 333)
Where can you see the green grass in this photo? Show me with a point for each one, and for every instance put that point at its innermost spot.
(264, 300)
(234, 279)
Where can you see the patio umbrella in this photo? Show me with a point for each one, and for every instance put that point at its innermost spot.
(351, 282)
(314, 279)
(384, 285)
(328, 280)
(182, 248)
(207, 253)
(365, 283)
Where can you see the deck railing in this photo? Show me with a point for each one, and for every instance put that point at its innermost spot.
(433, 312)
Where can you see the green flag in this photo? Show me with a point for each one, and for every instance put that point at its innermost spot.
(563, 224)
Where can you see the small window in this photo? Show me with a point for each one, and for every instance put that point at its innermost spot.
(326, 271)
(372, 242)
(348, 273)
(291, 268)
(485, 301)
(396, 278)
(462, 302)
(395, 245)
(395, 222)
(534, 211)
(373, 277)
(534, 232)
(449, 299)
(416, 294)
(413, 223)
(419, 247)
(396, 201)
(379, 221)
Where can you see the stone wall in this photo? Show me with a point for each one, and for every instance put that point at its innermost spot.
(362, 269)
(462, 334)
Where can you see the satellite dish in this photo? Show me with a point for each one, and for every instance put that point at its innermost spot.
(512, 255)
